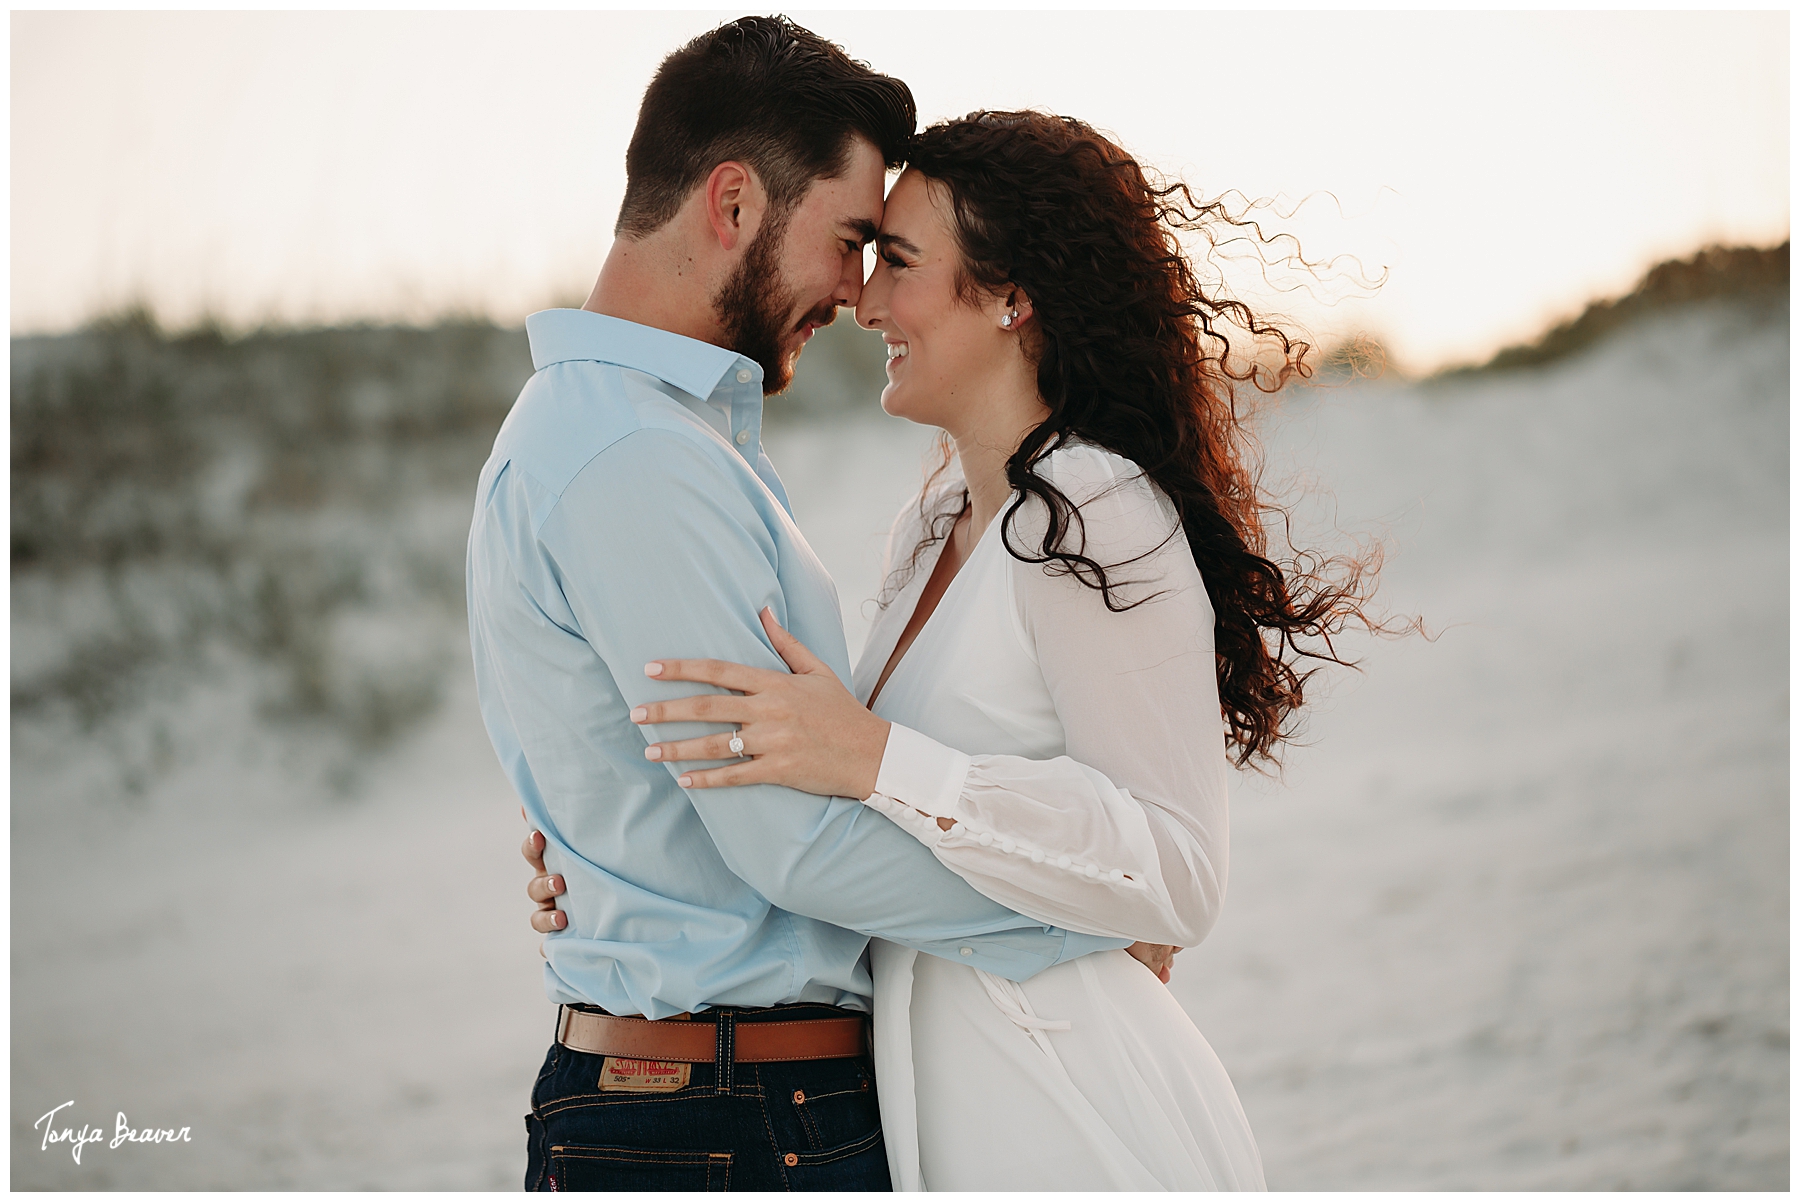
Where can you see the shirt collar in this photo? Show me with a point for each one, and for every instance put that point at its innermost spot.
(695, 367)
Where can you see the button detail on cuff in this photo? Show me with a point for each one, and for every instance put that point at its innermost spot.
(1008, 846)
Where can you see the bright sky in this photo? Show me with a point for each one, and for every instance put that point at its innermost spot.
(322, 166)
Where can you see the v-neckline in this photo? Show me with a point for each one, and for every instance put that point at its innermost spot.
(890, 666)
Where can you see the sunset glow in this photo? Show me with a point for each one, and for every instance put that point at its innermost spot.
(320, 167)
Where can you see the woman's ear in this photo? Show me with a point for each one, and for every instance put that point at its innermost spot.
(1017, 309)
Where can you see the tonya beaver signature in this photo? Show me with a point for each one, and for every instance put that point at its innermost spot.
(124, 1133)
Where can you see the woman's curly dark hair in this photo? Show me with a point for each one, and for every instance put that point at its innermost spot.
(1133, 356)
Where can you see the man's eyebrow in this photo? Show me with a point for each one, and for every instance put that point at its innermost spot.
(862, 227)
(895, 240)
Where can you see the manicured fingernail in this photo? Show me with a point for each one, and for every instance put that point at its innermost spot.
(554, 885)
(560, 921)
(684, 781)
(652, 669)
(639, 714)
(653, 752)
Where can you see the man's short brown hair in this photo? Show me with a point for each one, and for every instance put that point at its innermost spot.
(765, 92)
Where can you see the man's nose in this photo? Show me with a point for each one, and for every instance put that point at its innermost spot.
(850, 284)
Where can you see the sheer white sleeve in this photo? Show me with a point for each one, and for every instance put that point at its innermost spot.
(1126, 835)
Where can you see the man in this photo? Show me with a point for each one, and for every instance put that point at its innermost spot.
(712, 976)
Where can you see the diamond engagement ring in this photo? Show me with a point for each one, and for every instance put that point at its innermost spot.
(737, 743)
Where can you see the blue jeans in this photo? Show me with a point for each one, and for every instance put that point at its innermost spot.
(796, 1125)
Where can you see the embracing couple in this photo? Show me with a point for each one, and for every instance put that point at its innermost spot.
(909, 926)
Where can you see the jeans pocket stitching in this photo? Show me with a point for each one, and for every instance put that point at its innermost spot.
(762, 1108)
(668, 1156)
(717, 1164)
(810, 1125)
(590, 1100)
(843, 1151)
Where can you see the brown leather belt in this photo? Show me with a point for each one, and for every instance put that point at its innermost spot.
(696, 1041)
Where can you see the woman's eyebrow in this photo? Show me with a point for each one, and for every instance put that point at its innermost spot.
(895, 241)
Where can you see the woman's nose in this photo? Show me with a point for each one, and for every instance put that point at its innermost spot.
(870, 311)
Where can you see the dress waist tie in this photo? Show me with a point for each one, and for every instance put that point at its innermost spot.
(1009, 998)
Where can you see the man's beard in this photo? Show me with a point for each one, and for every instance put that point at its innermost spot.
(753, 308)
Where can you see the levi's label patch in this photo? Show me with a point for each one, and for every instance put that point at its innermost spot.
(623, 1074)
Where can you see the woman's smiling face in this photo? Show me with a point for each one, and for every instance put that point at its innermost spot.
(942, 347)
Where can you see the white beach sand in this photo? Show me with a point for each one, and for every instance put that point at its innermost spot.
(1515, 918)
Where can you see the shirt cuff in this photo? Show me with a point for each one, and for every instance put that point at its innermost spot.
(921, 772)
(1076, 945)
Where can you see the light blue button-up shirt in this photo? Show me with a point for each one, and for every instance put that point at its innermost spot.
(628, 513)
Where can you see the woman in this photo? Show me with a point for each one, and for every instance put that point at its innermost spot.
(1079, 623)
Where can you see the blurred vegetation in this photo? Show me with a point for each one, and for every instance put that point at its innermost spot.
(1745, 273)
(188, 505)
(296, 499)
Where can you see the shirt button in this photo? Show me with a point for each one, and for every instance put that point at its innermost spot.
(790, 1160)
(744, 378)
(967, 951)
(743, 437)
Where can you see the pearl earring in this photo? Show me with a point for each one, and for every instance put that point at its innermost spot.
(1007, 319)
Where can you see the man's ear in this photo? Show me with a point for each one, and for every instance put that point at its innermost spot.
(735, 203)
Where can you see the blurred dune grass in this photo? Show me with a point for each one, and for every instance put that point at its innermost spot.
(295, 501)
(1746, 273)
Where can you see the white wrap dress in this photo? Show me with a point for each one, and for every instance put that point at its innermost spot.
(1081, 755)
